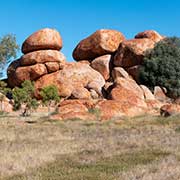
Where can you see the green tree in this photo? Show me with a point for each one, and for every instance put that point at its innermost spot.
(161, 67)
(49, 96)
(25, 96)
(8, 50)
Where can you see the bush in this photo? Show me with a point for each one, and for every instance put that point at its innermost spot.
(25, 96)
(49, 96)
(161, 67)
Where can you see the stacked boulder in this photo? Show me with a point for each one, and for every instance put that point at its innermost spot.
(45, 65)
(105, 76)
(41, 56)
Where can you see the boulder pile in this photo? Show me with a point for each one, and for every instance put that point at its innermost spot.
(105, 76)
(41, 56)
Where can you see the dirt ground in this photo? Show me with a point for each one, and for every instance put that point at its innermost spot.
(141, 148)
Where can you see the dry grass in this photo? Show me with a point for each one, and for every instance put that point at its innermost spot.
(141, 148)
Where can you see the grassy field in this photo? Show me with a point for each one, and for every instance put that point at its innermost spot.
(141, 148)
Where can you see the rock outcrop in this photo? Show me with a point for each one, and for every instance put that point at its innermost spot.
(73, 77)
(41, 57)
(105, 78)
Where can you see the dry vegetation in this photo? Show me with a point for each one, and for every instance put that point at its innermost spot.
(143, 148)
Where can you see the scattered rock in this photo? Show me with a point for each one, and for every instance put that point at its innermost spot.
(169, 109)
(100, 43)
(42, 40)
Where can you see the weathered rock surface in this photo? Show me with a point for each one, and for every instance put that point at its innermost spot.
(74, 109)
(42, 40)
(119, 72)
(131, 52)
(5, 104)
(150, 34)
(30, 72)
(112, 109)
(134, 72)
(99, 43)
(102, 64)
(147, 93)
(127, 84)
(169, 109)
(42, 56)
(159, 94)
(53, 66)
(71, 77)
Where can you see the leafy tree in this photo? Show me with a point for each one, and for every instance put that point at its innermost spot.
(25, 96)
(8, 50)
(49, 96)
(161, 66)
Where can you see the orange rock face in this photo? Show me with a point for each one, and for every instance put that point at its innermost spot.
(30, 72)
(119, 72)
(72, 77)
(111, 109)
(131, 52)
(150, 34)
(74, 109)
(102, 65)
(159, 94)
(52, 66)
(42, 56)
(99, 43)
(41, 40)
(129, 85)
(147, 93)
(169, 109)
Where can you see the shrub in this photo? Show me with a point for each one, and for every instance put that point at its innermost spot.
(25, 96)
(161, 67)
(49, 96)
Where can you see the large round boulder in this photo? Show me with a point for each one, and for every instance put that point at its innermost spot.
(99, 43)
(41, 40)
(131, 52)
(42, 56)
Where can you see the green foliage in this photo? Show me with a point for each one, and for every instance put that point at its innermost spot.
(8, 49)
(24, 95)
(161, 67)
(49, 96)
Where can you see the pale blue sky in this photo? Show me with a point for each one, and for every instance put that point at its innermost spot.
(77, 19)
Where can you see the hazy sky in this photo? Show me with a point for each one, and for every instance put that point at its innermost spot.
(77, 19)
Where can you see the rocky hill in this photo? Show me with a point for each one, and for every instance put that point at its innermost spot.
(104, 78)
